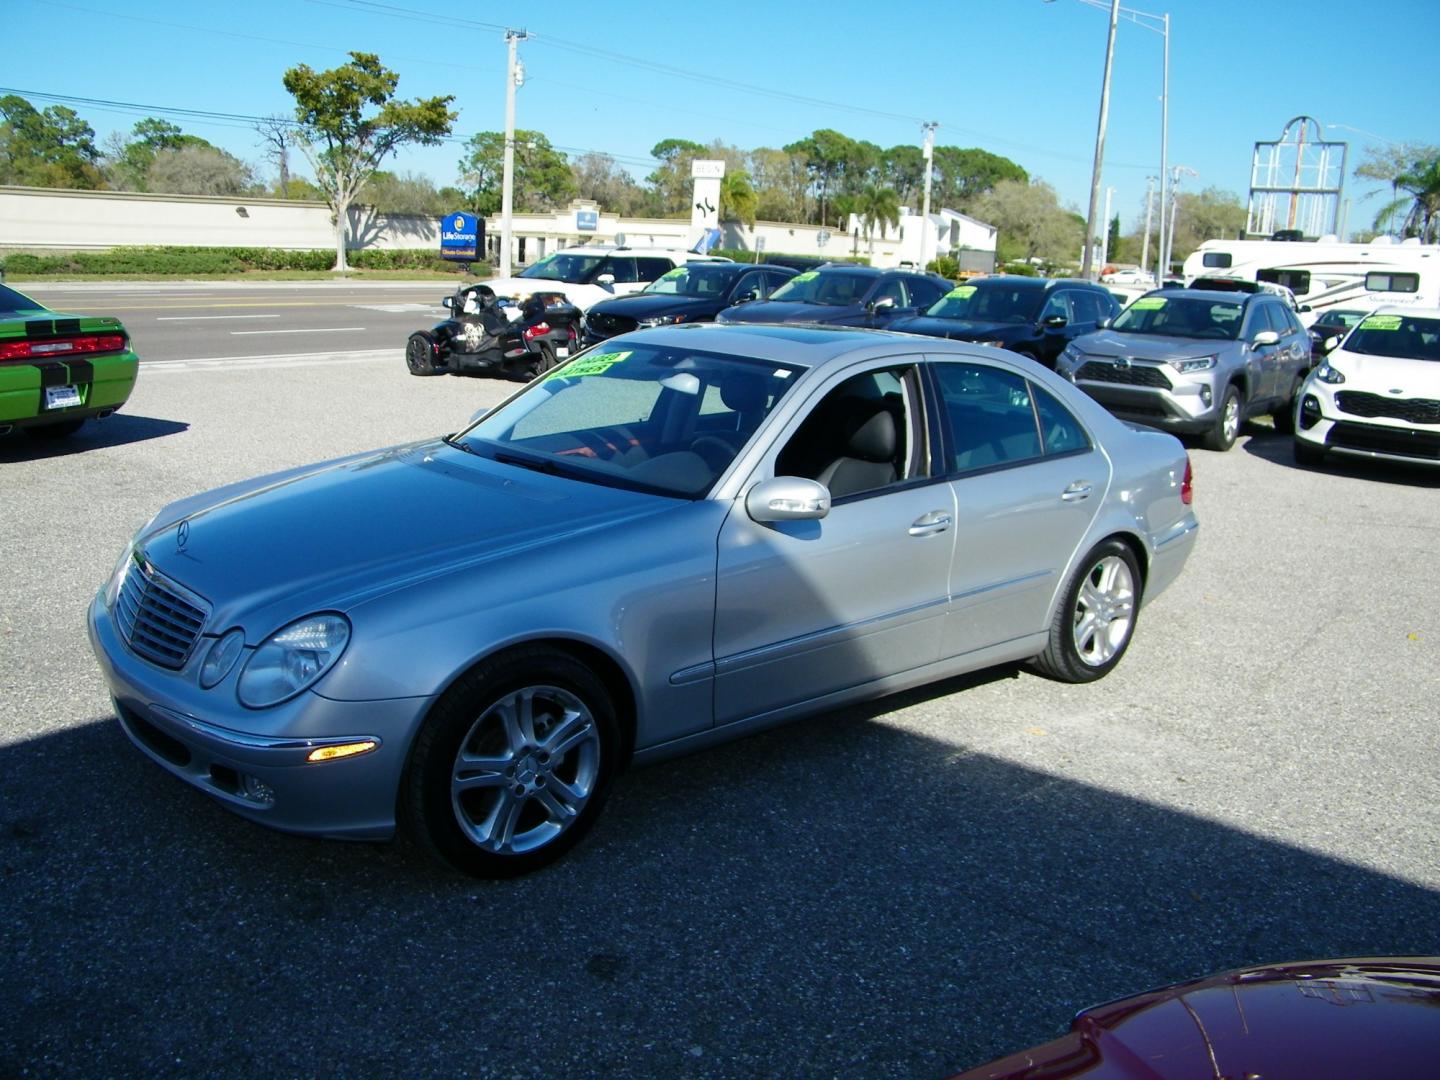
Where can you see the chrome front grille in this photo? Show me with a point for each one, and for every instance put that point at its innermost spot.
(1411, 410)
(1124, 374)
(160, 620)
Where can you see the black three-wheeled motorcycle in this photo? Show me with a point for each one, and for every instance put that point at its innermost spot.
(485, 335)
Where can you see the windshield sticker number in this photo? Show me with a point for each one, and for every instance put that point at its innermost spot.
(963, 292)
(1148, 303)
(1381, 322)
(590, 365)
(808, 275)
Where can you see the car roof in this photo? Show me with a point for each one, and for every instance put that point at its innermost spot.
(1214, 295)
(1023, 281)
(808, 345)
(1407, 309)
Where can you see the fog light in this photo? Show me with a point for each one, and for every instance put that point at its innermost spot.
(1205, 394)
(1309, 411)
(256, 789)
(350, 749)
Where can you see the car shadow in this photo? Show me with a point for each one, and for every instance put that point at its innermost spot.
(837, 897)
(1266, 444)
(121, 429)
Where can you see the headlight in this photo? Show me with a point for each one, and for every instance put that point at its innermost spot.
(659, 320)
(221, 658)
(993, 344)
(292, 659)
(1327, 373)
(1199, 363)
(117, 576)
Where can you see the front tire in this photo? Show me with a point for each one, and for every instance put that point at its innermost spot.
(420, 354)
(513, 764)
(545, 361)
(1096, 620)
(1228, 420)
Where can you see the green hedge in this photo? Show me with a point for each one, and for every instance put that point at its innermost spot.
(223, 260)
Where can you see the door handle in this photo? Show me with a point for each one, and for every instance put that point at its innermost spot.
(1076, 491)
(936, 521)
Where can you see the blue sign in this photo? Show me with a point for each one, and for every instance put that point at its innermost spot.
(461, 237)
(587, 220)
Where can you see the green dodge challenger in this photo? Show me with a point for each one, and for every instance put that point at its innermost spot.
(57, 370)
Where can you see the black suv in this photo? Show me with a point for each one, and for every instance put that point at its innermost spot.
(695, 292)
(1035, 317)
(843, 294)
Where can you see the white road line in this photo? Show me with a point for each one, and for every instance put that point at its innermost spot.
(198, 318)
(242, 363)
(314, 330)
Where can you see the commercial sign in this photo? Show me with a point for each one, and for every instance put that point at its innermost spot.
(587, 220)
(462, 236)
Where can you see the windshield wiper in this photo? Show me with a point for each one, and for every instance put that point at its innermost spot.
(533, 464)
(451, 440)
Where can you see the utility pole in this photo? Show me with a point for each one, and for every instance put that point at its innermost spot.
(928, 151)
(514, 76)
(1149, 212)
(1087, 268)
(1105, 236)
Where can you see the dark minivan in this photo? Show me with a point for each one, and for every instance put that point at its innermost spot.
(1035, 317)
(695, 292)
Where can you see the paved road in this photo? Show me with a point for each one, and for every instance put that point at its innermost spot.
(894, 891)
(225, 320)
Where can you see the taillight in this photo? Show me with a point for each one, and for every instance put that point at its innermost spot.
(48, 348)
(538, 330)
(1187, 486)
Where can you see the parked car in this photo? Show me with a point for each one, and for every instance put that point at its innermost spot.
(1195, 361)
(59, 370)
(1035, 317)
(606, 568)
(1128, 276)
(1370, 1016)
(587, 274)
(481, 337)
(696, 292)
(1334, 323)
(1378, 394)
(1220, 283)
(843, 294)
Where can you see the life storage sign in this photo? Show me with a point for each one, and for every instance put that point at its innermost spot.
(461, 237)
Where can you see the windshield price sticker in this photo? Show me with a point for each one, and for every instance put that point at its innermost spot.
(1148, 303)
(671, 275)
(963, 292)
(591, 365)
(1381, 322)
(808, 275)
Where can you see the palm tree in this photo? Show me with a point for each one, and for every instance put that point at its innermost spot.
(877, 206)
(1422, 182)
(737, 197)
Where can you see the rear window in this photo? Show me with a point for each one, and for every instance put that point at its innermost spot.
(1219, 259)
(1297, 281)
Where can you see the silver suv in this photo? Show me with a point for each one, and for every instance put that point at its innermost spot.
(1195, 361)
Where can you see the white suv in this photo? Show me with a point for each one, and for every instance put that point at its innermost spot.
(1378, 394)
(591, 273)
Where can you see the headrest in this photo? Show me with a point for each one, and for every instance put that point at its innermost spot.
(868, 430)
(744, 392)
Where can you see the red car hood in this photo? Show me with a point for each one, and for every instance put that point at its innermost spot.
(1375, 1017)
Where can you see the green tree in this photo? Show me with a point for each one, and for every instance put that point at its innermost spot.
(670, 182)
(826, 153)
(737, 197)
(53, 148)
(1206, 215)
(404, 193)
(1421, 181)
(348, 123)
(1112, 241)
(876, 206)
(902, 168)
(963, 175)
(1387, 164)
(598, 178)
(542, 176)
(780, 181)
(129, 160)
(1031, 222)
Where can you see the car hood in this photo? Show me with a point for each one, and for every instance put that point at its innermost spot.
(1381, 374)
(959, 329)
(331, 536)
(650, 306)
(1354, 1017)
(782, 311)
(1149, 346)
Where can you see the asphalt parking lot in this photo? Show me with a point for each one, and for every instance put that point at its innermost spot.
(900, 890)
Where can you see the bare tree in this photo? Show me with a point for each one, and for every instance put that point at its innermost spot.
(277, 137)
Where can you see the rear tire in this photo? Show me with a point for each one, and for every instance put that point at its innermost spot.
(1229, 418)
(513, 764)
(1284, 418)
(420, 354)
(1095, 622)
(545, 361)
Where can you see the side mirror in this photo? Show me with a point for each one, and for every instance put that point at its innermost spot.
(1330, 344)
(1104, 324)
(885, 305)
(1304, 307)
(787, 498)
(448, 302)
(1266, 337)
(605, 280)
(1054, 322)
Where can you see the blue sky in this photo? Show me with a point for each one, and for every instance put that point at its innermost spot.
(1017, 77)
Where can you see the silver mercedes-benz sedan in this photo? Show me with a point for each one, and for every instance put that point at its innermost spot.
(679, 537)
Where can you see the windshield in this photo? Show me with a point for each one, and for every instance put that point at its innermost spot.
(11, 301)
(574, 269)
(1406, 336)
(1181, 316)
(989, 303)
(832, 288)
(1342, 317)
(695, 280)
(647, 418)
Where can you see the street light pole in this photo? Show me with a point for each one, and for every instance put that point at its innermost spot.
(507, 192)
(1149, 213)
(1087, 267)
(929, 153)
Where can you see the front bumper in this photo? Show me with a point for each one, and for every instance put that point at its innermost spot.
(254, 761)
(1187, 405)
(1323, 424)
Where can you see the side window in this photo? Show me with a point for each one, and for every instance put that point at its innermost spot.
(750, 283)
(991, 416)
(1255, 321)
(773, 281)
(894, 289)
(1058, 304)
(1385, 281)
(1060, 432)
(859, 437)
(1088, 308)
(1219, 260)
(622, 266)
(924, 292)
(650, 269)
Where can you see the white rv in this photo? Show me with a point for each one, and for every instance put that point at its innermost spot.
(1325, 273)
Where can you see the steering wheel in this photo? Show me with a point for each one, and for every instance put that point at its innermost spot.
(716, 450)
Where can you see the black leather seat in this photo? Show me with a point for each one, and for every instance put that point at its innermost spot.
(866, 438)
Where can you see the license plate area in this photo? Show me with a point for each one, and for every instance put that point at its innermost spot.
(562, 350)
(62, 397)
